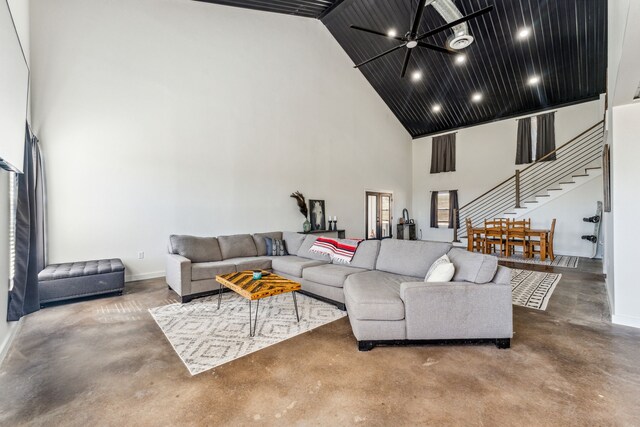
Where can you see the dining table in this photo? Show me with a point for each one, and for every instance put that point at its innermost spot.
(541, 233)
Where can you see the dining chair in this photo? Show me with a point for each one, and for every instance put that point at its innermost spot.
(517, 236)
(477, 243)
(548, 243)
(494, 235)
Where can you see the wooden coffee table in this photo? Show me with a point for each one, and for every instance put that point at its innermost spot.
(244, 285)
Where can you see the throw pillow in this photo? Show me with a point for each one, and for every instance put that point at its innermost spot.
(442, 273)
(275, 247)
(442, 270)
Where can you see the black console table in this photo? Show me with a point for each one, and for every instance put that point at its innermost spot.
(402, 227)
(328, 233)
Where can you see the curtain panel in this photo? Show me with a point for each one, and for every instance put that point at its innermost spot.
(434, 210)
(453, 208)
(443, 153)
(30, 233)
(546, 139)
(523, 148)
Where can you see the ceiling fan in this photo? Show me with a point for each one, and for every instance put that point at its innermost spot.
(412, 39)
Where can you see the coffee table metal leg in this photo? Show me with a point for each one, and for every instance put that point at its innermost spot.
(250, 330)
(295, 304)
(219, 296)
(255, 320)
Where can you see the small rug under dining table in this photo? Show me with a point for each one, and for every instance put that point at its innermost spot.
(559, 261)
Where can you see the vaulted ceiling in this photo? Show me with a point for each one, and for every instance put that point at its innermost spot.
(566, 48)
(307, 8)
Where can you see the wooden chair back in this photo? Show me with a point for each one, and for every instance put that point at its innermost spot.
(553, 230)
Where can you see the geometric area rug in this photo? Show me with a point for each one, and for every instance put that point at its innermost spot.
(533, 289)
(205, 337)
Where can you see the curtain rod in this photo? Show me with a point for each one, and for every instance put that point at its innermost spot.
(536, 115)
(441, 191)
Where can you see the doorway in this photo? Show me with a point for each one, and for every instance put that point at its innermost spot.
(378, 215)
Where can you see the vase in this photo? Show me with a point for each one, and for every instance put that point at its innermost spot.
(306, 226)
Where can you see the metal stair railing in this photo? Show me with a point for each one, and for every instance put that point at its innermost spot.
(539, 176)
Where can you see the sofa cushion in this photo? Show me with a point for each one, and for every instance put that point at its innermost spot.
(366, 255)
(473, 267)
(209, 270)
(196, 249)
(293, 241)
(238, 245)
(330, 274)
(260, 243)
(375, 295)
(304, 251)
(251, 263)
(292, 264)
(409, 257)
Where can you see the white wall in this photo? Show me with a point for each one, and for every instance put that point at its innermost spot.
(626, 205)
(624, 119)
(20, 13)
(175, 116)
(485, 156)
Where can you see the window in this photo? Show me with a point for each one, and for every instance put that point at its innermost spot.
(444, 206)
(13, 186)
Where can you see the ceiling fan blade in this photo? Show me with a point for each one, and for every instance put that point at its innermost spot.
(456, 22)
(437, 48)
(378, 33)
(416, 19)
(407, 56)
(380, 55)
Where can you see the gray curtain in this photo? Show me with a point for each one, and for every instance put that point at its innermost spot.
(523, 148)
(546, 140)
(434, 210)
(453, 206)
(443, 153)
(30, 233)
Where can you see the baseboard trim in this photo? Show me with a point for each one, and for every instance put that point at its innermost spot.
(8, 341)
(143, 276)
(632, 321)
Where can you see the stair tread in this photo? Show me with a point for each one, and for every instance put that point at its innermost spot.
(575, 176)
(593, 168)
(568, 182)
(554, 189)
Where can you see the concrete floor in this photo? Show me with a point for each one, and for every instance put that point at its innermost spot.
(105, 362)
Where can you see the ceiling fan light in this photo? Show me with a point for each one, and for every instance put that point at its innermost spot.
(412, 44)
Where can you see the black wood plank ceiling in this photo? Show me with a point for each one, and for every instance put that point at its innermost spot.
(566, 49)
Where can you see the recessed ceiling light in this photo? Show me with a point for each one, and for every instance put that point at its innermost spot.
(533, 80)
(476, 97)
(392, 32)
(436, 108)
(460, 59)
(523, 33)
(416, 75)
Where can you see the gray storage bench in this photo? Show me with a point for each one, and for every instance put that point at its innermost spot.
(59, 282)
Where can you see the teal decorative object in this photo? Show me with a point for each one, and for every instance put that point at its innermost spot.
(306, 226)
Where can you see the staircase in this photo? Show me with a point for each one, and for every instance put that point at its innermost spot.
(576, 162)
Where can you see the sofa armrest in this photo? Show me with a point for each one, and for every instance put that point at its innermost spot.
(178, 274)
(457, 310)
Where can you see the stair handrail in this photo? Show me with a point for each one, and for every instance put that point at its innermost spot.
(540, 160)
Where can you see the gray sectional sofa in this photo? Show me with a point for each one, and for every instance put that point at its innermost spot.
(382, 289)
